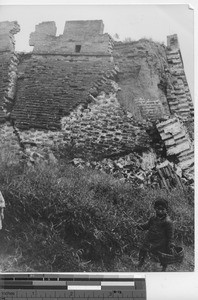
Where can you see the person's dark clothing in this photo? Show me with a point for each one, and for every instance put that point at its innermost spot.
(159, 236)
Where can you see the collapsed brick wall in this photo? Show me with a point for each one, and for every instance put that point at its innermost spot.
(102, 129)
(51, 86)
(178, 93)
(178, 144)
(54, 81)
(142, 78)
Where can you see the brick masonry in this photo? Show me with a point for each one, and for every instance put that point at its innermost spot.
(178, 94)
(104, 128)
(82, 89)
(50, 87)
(100, 130)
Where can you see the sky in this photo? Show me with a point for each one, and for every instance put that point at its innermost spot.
(134, 21)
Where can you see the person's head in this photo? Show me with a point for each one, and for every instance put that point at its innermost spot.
(161, 207)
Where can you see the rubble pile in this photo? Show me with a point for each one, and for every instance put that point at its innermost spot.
(178, 144)
(142, 171)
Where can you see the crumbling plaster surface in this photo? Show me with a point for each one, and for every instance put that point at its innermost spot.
(142, 78)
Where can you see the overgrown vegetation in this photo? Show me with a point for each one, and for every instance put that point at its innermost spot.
(62, 218)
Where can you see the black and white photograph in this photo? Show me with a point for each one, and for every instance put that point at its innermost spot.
(97, 138)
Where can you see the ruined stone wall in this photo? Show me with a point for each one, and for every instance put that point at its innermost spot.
(80, 37)
(178, 144)
(142, 78)
(102, 129)
(55, 78)
(99, 101)
(8, 67)
(51, 86)
(178, 94)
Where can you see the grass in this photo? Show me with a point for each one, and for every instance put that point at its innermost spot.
(60, 218)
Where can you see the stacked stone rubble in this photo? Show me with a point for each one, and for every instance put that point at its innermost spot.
(144, 170)
(103, 128)
(178, 144)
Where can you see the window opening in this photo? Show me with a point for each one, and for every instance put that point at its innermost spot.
(78, 48)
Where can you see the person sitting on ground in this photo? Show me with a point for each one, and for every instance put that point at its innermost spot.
(2, 206)
(160, 233)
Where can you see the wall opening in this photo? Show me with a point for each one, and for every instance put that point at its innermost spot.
(77, 48)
